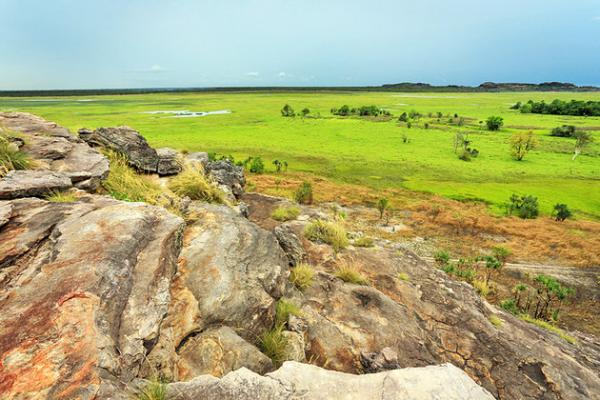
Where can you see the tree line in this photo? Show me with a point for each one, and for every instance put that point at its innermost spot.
(559, 107)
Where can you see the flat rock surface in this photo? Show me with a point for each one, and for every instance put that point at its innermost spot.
(32, 183)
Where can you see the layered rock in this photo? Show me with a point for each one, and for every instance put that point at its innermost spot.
(228, 176)
(302, 381)
(84, 287)
(54, 149)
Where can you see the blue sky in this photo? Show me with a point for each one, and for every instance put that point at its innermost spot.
(66, 44)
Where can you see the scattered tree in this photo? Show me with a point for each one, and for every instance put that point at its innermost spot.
(304, 193)
(287, 111)
(525, 207)
(521, 143)
(561, 212)
(563, 131)
(305, 111)
(582, 139)
(382, 206)
(494, 123)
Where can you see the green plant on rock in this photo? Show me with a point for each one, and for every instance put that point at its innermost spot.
(11, 158)
(285, 213)
(273, 344)
(124, 183)
(302, 276)
(351, 274)
(364, 241)
(441, 257)
(153, 390)
(193, 184)
(332, 233)
(61, 197)
(284, 309)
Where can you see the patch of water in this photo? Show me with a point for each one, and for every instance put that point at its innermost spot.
(187, 113)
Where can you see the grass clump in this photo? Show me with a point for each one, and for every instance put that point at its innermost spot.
(350, 273)
(364, 241)
(192, 183)
(285, 213)
(494, 320)
(332, 233)
(154, 390)
(549, 327)
(11, 158)
(403, 276)
(302, 276)
(61, 197)
(123, 183)
(482, 288)
(273, 344)
(304, 193)
(283, 310)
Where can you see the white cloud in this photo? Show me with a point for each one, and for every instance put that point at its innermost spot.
(283, 75)
(252, 74)
(156, 68)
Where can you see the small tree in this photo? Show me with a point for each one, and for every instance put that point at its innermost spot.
(525, 207)
(257, 166)
(305, 111)
(491, 264)
(382, 206)
(278, 165)
(287, 111)
(304, 193)
(521, 143)
(582, 139)
(403, 117)
(561, 212)
(494, 123)
(518, 290)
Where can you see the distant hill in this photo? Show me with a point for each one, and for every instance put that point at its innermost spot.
(394, 87)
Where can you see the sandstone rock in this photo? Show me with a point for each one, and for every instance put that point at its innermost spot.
(217, 352)
(53, 148)
(168, 161)
(294, 346)
(303, 381)
(378, 361)
(229, 177)
(291, 244)
(84, 287)
(200, 157)
(31, 183)
(127, 141)
(230, 273)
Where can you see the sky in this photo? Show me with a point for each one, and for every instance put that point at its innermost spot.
(88, 44)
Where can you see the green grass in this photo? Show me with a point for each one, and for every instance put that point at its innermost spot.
(273, 344)
(285, 213)
(61, 197)
(154, 390)
(332, 233)
(123, 183)
(302, 276)
(549, 327)
(193, 184)
(351, 274)
(364, 241)
(356, 150)
(11, 158)
(403, 276)
(283, 310)
(495, 320)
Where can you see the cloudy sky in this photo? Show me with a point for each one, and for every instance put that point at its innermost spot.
(66, 44)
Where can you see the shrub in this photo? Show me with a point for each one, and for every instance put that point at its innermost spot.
(283, 310)
(521, 143)
(494, 123)
(61, 197)
(561, 212)
(192, 183)
(304, 193)
(364, 241)
(273, 344)
(525, 207)
(154, 390)
(563, 131)
(349, 273)
(305, 111)
(482, 288)
(285, 213)
(256, 165)
(124, 183)
(280, 165)
(11, 158)
(510, 305)
(287, 111)
(441, 257)
(331, 233)
(494, 320)
(382, 206)
(302, 276)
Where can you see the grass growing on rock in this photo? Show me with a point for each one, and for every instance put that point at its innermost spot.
(124, 183)
(273, 344)
(495, 320)
(154, 390)
(285, 213)
(364, 241)
(192, 183)
(549, 327)
(332, 233)
(11, 158)
(61, 197)
(302, 276)
(403, 276)
(284, 309)
(351, 274)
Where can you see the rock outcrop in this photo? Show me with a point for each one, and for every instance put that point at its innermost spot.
(31, 183)
(302, 381)
(228, 176)
(54, 149)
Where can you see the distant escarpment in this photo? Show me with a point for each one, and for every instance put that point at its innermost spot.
(103, 298)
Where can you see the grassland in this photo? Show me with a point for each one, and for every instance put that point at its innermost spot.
(361, 151)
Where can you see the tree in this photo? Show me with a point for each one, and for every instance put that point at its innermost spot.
(525, 207)
(521, 143)
(491, 264)
(494, 123)
(305, 111)
(382, 205)
(278, 165)
(403, 117)
(287, 111)
(304, 193)
(582, 139)
(256, 165)
(561, 212)
(517, 290)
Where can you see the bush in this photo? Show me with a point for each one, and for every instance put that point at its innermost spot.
(549, 327)
(510, 305)
(364, 241)
(256, 165)
(561, 212)
(287, 111)
(382, 206)
(351, 274)
(304, 193)
(193, 184)
(61, 197)
(331, 233)
(11, 158)
(441, 257)
(124, 183)
(525, 207)
(285, 213)
(403, 276)
(305, 111)
(494, 123)
(302, 276)
(563, 131)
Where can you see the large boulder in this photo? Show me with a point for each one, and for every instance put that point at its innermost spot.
(84, 288)
(303, 381)
(168, 161)
(53, 148)
(228, 176)
(126, 141)
(230, 274)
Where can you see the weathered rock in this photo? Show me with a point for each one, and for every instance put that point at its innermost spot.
(291, 244)
(230, 273)
(200, 157)
(126, 141)
(378, 361)
(303, 381)
(217, 352)
(84, 287)
(32, 183)
(168, 161)
(294, 346)
(229, 177)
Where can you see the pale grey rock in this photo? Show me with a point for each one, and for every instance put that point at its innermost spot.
(168, 161)
(291, 244)
(200, 157)
(32, 183)
(229, 177)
